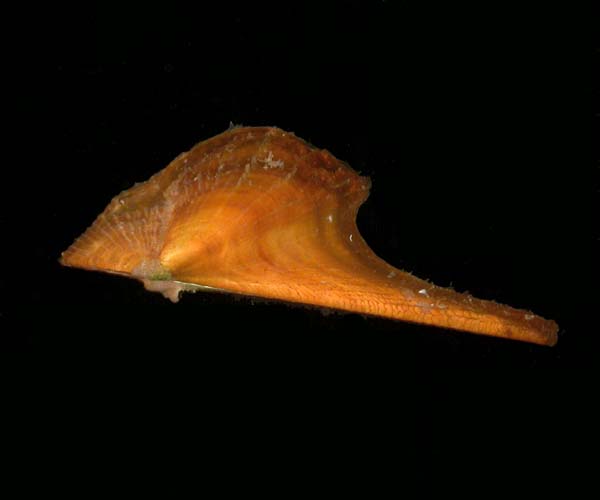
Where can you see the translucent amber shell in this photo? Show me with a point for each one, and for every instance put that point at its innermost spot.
(257, 211)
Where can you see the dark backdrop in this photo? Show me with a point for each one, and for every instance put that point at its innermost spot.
(461, 116)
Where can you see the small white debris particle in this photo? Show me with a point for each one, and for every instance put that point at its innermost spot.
(290, 174)
(330, 217)
(341, 184)
(121, 201)
(391, 274)
(529, 317)
(350, 237)
(270, 162)
(422, 291)
(426, 307)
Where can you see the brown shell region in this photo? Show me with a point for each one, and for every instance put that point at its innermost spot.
(260, 212)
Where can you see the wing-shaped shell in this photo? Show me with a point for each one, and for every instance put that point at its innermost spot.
(258, 211)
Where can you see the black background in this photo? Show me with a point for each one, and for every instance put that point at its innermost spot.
(463, 117)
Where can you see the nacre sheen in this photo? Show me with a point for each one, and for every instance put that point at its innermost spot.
(258, 211)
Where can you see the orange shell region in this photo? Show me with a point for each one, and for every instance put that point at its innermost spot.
(258, 211)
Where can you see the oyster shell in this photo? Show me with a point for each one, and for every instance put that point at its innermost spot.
(258, 211)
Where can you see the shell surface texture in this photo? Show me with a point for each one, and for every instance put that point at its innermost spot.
(258, 211)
